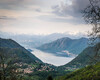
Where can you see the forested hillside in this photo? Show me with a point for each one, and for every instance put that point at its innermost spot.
(12, 45)
(16, 63)
(86, 57)
(91, 72)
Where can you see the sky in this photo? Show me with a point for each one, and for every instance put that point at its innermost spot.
(43, 16)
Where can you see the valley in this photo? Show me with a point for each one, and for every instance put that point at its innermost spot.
(49, 39)
(32, 61)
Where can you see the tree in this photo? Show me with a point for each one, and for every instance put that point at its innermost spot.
(8, 69)
(92, 16)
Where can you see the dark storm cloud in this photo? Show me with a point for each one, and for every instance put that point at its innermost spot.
(73, 10)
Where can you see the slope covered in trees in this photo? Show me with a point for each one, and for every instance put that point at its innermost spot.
(86, 57)
(8, 43)
(16, 63)
(91, 72)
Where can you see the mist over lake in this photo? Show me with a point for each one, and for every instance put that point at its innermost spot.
(50, 58)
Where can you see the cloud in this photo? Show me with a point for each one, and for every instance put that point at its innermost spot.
(36, 16)
(38, 10)
(26, 4)
(68, 19)
(6, 18)
(74, 9)
(19, 4)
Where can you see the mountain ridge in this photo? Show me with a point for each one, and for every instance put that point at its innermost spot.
(11, 44)
(74, 46)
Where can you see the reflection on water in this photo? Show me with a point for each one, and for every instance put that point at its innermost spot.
(50, 58)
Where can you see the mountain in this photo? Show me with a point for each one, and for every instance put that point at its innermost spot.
(13, 54)
(25, 60)
(74, 46)
(33, 41)
(86, 57)
(10, 45)
(91, 72)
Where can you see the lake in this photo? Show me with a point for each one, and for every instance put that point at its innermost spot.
(50, 58)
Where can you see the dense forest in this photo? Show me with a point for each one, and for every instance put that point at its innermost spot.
(91, 72)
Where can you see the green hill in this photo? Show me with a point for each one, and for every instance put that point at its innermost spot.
(91, 72)
(10, 45)
(86, 57)
(26, 63)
